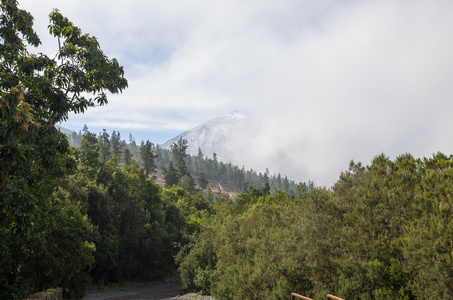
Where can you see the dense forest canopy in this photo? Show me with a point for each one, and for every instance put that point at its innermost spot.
(382, 232)
(94, 214)
(200, 165)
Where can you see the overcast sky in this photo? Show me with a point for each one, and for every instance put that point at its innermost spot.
(330, 81)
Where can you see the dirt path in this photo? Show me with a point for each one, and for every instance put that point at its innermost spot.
(170, 291)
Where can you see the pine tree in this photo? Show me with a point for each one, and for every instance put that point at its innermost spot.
(179, 153)
(215, 165)
(116, 145)
(200, 162)
(127, 157)
(202, 181)
(170, 175)
(89, 150)
(266, 189)
(104, 146)
(148, 157)
(85, 129)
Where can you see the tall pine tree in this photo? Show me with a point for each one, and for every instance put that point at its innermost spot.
(148, 157)
(179, 153)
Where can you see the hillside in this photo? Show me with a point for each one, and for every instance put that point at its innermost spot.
(216, 169)
(217, 188)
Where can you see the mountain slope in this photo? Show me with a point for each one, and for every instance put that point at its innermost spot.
(215, 136)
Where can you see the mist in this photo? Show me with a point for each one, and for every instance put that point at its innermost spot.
(328, 81)
(375, 80)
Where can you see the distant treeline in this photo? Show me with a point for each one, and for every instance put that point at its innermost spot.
(199, 165)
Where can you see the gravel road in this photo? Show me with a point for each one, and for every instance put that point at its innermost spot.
(170, 291)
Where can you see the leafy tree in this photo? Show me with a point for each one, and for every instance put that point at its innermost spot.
(383, 231)
(142, 248)
(209, 197)
(132, 241)
(36, 92)
(256, 252)
(427, 244)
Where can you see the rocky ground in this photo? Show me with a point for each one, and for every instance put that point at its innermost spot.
(170, 291)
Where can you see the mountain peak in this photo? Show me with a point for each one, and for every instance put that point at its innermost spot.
(214, 136)
(236, 115)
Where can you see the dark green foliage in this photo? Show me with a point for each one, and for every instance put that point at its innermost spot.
(45, 241)
(127, 157)
(197, 261)
(84, 68)
(170, 175)
(132, 241)
(55, 253)
(148, 158)
(382, 232)
(63, 246)
(179, 153)
(203, 181)
(116, 144)
(89, 150)
(188, 183)
(427, 244)
(255, 249)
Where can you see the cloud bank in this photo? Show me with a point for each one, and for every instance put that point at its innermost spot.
(329, 81)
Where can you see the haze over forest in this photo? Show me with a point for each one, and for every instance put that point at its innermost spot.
(329, 81)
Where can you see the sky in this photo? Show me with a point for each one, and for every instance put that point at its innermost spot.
(329, 81)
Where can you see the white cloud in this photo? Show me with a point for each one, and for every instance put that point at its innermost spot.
(330, 80)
